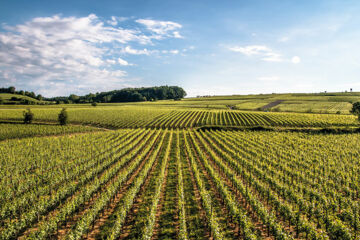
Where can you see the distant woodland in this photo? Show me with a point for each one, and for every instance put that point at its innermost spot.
(123, 95)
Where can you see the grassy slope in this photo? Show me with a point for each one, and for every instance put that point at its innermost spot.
(7, 96)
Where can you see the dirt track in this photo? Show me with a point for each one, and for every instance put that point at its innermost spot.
(272, 104)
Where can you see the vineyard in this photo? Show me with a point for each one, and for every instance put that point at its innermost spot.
(153, 117)
(8, 131)
(181, 184)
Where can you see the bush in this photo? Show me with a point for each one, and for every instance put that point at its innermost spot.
(28, 116)
(94, 104)
(356, 109)
(63, 117)
(277, 109)
(15, 99)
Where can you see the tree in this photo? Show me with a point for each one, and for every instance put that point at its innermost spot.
(28, 116)
(39, 97)
(32, 94)
(63, 117)
(74, 98)
(356, 109)
(12, 89)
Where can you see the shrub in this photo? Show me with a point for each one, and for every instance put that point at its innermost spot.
(63, 117)
(28, 116)
(277, 109)
(356, 109)
(94, 104)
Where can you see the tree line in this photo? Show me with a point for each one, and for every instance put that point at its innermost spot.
(12, 90)
(123, 95)
(126, 95)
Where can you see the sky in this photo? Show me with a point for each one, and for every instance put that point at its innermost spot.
(58, 48)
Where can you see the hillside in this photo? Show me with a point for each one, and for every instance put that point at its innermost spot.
(9, 98)
(339, 103)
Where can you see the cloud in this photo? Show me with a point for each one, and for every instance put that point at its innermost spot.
(161, 28)
(175, 51)
(115, 20)
(111, 61)
(123, 62)
(69, 52)
(130, 50)
(264, 52)
(295, 59)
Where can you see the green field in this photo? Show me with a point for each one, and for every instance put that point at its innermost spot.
(8, 131)
(332, 103)
(191, 169)
(154, 116)
(6, 97)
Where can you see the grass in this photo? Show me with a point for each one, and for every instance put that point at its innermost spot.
(7, 98)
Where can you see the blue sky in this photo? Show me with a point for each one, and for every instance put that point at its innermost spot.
(206, 47)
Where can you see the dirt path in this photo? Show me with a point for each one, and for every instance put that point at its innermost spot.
(272, 104)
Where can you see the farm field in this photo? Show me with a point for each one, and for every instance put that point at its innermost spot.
(8, 131)
(179, 120)
(180, 184)
(165, 171)
(167, 117)
(332, 103)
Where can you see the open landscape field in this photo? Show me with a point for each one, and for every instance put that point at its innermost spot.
(162, 171)
(244, 111)
(185, 184)
(188, 120)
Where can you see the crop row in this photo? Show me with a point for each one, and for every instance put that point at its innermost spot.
(135, 117)
(184, 184)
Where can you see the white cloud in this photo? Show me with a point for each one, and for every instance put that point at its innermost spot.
(295, 59)
(130, 50)
(266, 53)
(111, 61)
(177, 34)
(123, 62)
(115, 20)
(68, 51)
(161, 28)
